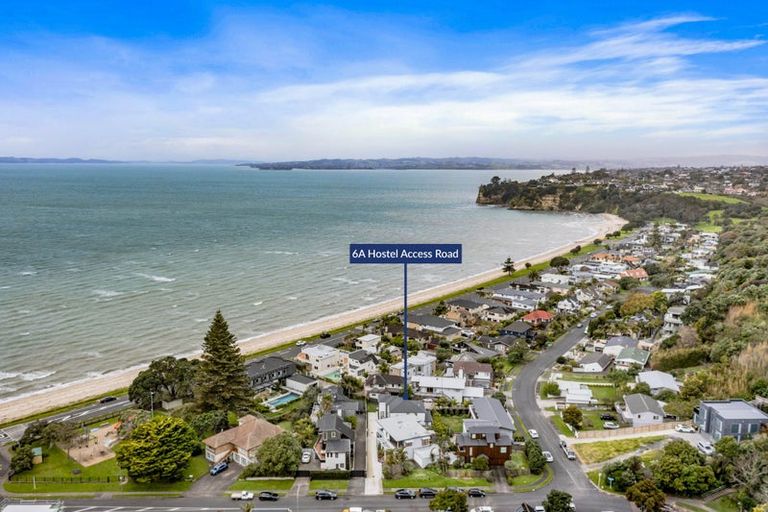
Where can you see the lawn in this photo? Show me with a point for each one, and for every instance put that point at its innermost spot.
(583, 377)
(524, 480)
(692, 508)
(339, 486)
(518, 460)
(560, 425)
(455, 423)
(280, 485)
(714, 197)
(427, 478)
(725, 504)
(592, 419)
(594, 476)
(57, 465)
(601, 451)
(607, 394)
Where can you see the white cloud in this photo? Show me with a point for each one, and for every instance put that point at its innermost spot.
(631, 90)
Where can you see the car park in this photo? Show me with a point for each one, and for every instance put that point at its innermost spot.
(426, 492)
(268, 496)
(325, 495)
(306, 456)
(218, 468)
(685, 429)
(610, 425)
(405, 494)
(242, 496)
(533, 433)
(474, 492)
(705, 448)
(548, 456)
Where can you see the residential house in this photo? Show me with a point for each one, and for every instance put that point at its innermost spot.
(332, 428)
(435, 324)
(658, 381)
(500, 345)
(477, 374)
(736, 418)
(635, 273)
(368, 342)
(404, 432)
(641, 410)
(337, 455)
(263, 373)
(518, 329)
(488, 432)
(594, 362)
(240, 443)
(452, 387)
(392, 406)
(524, 300)
(615, 344)
(322, 360)
(672, 320)
(378, 384)
(464, 310)
(538, 317)
(361, 363)
(299, 383)
(568, 306)
(575, 393)
(497, 314)
(550, 277)
(630, 357)
(423, 363)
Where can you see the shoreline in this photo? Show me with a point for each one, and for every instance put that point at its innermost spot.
(35, 402)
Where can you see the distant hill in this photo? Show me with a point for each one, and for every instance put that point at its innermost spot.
(27, 160)
(416, 163)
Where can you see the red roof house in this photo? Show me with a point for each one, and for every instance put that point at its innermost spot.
(538, 317)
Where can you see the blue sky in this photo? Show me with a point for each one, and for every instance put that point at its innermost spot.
(280, 80)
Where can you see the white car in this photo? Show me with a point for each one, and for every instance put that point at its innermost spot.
(301, 343)
(533, 434)
(538, 508)
(306, 456)
(705, 448)
(685, 429)
(548, 456)
(483, 508)
(610, 425)
(242, 496)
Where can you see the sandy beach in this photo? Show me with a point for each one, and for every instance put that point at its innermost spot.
(47, 399)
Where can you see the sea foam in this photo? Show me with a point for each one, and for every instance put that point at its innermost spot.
(157, 279)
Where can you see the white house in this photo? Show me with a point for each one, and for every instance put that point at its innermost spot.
(659, 381)
(423, 363)
(338, 453)
(402, 432)
(299, 383)
(567, 306)
(361, 363)
(615, 344)
(641, 410)
(630, 357)
(594, 362)
(550, 277)
(369, 343)
(672, 320)
(451, 387)
(323, 359)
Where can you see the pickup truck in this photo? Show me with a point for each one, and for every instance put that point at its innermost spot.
(568, 452)
(242, 496)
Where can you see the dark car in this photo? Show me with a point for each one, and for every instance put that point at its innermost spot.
(405, 494)
(476, 493)
(325, 495)
(607, 417)
(107, 399)
(427, 493)
(218, 468)
(268, 496)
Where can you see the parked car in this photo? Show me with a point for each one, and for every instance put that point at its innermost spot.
(569, 454)
(325, 335)
(426, 492)
(325, 495)
(610, 425)
(484, 508)
(107, 399)
(243, 496)
(301, 343)
(533, 434)
(548, 456)
(538, 508)
(607, 417)
(306, 456)
(405, 494)
(685, 429)
(218, 468)
(580, 325)
(474, 492)
(705, 448)
(268, 496)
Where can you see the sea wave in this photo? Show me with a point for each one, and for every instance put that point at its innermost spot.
(345, 280)
(28, 273)
(36, 375)
(94, 354)
(8, 375)
(286, 253)
(107, 294)
(258, 303)
(157, 279)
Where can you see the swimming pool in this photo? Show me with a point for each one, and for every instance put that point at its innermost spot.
(281, 400)
(334, 376)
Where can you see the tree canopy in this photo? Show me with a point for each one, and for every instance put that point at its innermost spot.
(166, 378)
(277, 456)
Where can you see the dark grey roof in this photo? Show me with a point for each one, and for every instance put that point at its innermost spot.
(267, 365)
(361, 355)
(431, 320)
(491, 410)
(596, 357)
(384, 380)
(397, 405)
(621, 341)
(517, 326)
(639, 403)
(301, 379)
(331, 422)
(465, 303)
(338, 446)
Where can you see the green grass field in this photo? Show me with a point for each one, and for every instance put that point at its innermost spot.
(560, 425)
(279, 485)
(605, 394)
(725, 504)
(456, 423)
(719, 198)
(594, 476)
(340, 486)
(589, 453)
(427, 478)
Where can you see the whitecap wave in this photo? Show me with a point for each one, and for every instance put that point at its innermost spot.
(345, 280)
(157, 279)
(28, 273)
(8, 375)
(201, 320)
(258, 303)
(36, 375)
(7, 389)
(94, 354)
(292, 297)
(107, 294)
(286, 253)
(25, 333)
(4, 287)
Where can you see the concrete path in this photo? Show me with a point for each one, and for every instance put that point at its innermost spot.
(374, 473)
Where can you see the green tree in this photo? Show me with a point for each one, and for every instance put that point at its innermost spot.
(158, 450)
(643, 388)
(209, 423)
(573, 416)
(559, 262)
(440, 309)
(550, 388)
(305, 431)
(536, 460)
(277, 456)
(508, 266)
(480, 463)
(351, 385)
(534, 275)
(222, 383)
(557, 501)
(166, 378)
(21, 460)
(647, 496)
(449, 499)
(695, 480)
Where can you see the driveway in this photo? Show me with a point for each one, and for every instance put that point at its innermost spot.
(374, 475)
(215, 485)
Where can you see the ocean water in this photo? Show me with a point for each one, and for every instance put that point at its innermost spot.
(103, 267)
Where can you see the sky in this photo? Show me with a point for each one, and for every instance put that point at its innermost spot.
(184, 80)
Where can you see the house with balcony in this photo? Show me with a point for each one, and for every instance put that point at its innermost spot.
(489, 432)
(421, 364)
(270, 371)
(407, 433)
(736, 418)
(322, 360)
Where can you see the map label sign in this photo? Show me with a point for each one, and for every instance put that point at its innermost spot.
(438, 254)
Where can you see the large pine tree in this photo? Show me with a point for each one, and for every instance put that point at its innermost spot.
(222, 383)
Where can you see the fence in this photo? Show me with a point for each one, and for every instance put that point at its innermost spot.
(65, 479)
(598, 434)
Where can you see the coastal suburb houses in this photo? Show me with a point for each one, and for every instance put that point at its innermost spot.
(240, 443)
(489, 432)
